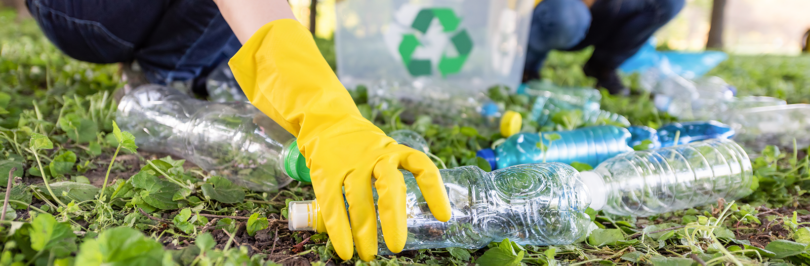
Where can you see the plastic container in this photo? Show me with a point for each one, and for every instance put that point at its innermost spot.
(774, 125)
(590, 145)
(652, 182)
(552, 99)
(234, 140)
(445, 51)
(686, 64)
(641, 133)
(533, 204)
(687, 132)
(222, 86)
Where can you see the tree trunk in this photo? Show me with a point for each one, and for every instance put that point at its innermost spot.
(313, 15)
(716, 31)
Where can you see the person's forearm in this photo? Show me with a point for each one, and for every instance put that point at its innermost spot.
(246, 16)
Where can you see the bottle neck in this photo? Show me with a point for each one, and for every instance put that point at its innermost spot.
(596, 188)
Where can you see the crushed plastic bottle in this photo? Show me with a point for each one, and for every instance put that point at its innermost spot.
(652, 182)
(590, 145)
(774, 125)
(532, 204)
(234, 140)
(552, 99)
(222, 86)
(687, 132)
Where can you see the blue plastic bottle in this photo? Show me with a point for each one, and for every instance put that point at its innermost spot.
(693, 131)
(590, 145)
(640, 134)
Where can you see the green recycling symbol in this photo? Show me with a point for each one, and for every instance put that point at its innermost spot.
(447, 65)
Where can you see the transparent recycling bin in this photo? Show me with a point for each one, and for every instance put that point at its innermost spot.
(432, 50)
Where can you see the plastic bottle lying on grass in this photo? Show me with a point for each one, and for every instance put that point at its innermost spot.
(652, 182)
(774, 125)
(222, 86)
(534, 204)
(234, 140)
(687, 132)
(552, 99)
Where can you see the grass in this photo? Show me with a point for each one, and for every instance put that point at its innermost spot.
(56, 117)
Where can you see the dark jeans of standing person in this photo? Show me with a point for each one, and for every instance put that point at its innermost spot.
(171, 40)
(616, 28)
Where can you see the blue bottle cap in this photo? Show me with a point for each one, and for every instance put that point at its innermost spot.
(489, 109)
(489, 155)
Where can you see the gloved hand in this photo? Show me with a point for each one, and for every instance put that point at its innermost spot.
(284, 75)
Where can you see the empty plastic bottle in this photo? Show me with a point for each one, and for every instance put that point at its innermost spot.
(233, 140)
(687, 132)
(222, 86)
(652, 182)
(774, 125)
(552, 99)
(641, 133)
(534, 204)
(590, 145)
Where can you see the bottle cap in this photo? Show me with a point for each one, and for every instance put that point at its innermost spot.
(511, 123)
(295, 165)
(489, 156)
(596, 187)
(303, 215)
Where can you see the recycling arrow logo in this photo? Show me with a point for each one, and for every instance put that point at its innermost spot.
(459, 38)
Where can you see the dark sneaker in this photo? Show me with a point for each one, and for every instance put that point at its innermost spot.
(608, 79)
(530, 75)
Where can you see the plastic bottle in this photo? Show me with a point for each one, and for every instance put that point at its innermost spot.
(222, 86)
(652, 182)
(687, 132)
(552, 99)
(234, 140)
(774, 125)
(641, 133)
(534, 204)
(590, 145)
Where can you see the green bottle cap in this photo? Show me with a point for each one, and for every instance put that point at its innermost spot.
(295, 165)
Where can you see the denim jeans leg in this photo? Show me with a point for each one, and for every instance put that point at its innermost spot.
(191, 39)
(620, 27)
(556, 24)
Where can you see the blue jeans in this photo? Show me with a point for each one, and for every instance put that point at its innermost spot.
(616, 28)
(172, 40)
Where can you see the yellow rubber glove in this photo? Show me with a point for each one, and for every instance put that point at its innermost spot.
(284, 74)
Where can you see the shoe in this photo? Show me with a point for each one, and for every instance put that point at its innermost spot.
(608, 79)
(132, 76)
(530, 75)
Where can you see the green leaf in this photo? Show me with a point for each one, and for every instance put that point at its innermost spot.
(39, 142)
(255, 224)
(552, 136)
(117, 133)
(601, 237)
(20, 193)
(205, 242)
(581, 166)
(722, 232)
(459, 253)
(94, 149)
(120, 246)
(186, 227)
(802, 235)
(469, 131)
(155, 191)
(68, 191)
(656, 227)
(4, 99)
(503, 255)
(46, 234)
(785, 248)
(63, 164)
(483, 164)
(222, 190)
(632, 256)
(183, 216)
(181, 194)
(86, 129)
(5, 167)
(664, 261)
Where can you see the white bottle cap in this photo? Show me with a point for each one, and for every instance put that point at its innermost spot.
(596, 186)
(302, 215)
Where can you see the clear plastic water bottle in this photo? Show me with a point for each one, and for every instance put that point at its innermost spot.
(222, 86)
(687, 132)
(652, 182)
(533, 204)
(552, 99)
(234, 140)
(590, 145)
(774, 125)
